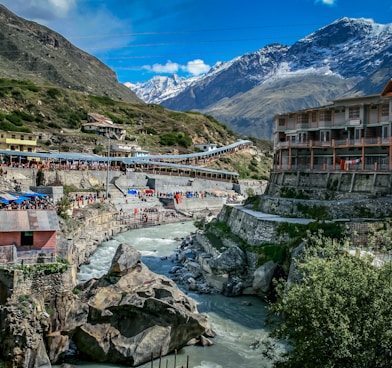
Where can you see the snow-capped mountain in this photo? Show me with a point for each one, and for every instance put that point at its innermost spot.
(161, 88)
(279, 78)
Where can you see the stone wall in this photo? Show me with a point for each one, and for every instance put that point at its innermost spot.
(346, 208)
(329, 185)
(255, 231)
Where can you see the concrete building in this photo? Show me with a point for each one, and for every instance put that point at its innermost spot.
(349, 134)
(126, 150)
(18, 141)
(30, 232)
(206, 147)
(99, 124)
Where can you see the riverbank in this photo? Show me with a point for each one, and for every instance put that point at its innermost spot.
(242, 334)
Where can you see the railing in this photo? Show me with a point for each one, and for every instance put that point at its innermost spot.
(335, 143)
(368, 167)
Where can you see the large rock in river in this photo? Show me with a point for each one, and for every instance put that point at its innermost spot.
(134, 313)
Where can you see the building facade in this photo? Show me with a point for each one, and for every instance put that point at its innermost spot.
(29, 232)
(18, 141)
(99, 124)
(350, 134)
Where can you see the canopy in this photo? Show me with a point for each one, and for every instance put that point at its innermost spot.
(33, 194)
(7, 196)
(21, 199)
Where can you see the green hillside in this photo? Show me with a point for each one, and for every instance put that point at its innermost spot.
(57, 114)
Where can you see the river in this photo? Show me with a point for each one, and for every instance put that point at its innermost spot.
(239, 322)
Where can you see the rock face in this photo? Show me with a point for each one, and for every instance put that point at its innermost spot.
(125, 317)
(134, 313)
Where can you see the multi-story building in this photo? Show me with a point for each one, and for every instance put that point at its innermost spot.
(99, 124)
(349, 134)
(18, 141)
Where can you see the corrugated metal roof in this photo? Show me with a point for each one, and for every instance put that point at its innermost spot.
(28, 220)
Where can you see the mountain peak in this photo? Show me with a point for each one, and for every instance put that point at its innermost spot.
(341, 54)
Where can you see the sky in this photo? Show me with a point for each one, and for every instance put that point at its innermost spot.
(139, 39)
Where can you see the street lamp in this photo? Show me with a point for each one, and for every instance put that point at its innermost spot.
(107, 170)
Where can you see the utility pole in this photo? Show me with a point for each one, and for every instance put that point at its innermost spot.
(107, 168)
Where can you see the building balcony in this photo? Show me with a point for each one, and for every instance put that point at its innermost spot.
(20, 142)
(376, 141)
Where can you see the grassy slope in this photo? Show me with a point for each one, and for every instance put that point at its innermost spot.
(59, 114)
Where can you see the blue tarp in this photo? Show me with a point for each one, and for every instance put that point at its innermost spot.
(21, 199)
(4, 201)
(132, 191)
(29, 194)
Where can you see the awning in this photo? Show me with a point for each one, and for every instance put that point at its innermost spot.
(33, 194)
(21, 199)
(7, 196)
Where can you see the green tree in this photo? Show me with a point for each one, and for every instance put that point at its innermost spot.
(63, 205)
(337, 312)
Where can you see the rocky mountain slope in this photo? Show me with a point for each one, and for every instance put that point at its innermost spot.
(30, 51)
(346, 57)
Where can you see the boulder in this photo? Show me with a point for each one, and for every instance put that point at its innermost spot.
(134, 313)
(262, 278)
(232, 260)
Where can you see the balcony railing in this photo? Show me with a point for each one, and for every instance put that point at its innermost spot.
(335, 143)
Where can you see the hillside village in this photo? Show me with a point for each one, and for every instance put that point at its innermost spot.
(305, 228)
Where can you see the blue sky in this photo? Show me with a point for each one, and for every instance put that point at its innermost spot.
(142, 38)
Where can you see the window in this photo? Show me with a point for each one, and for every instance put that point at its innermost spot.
(30, 138)
(314, 116)
(13, 136)
(302, 118)
(384, 110)
(325, 115)
(22, 137)
(26, 238)
(353, 112)
(282, 122)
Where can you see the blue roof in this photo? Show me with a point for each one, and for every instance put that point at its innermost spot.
(151, 159)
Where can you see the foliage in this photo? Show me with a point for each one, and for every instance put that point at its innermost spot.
(174, 138)
(53, 93)
(8, 126)
(337, 311)
(102, 100)
(273, 252)
(63, 205)
(314, 212)
(98, 149)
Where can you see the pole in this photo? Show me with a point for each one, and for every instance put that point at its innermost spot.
(107, 172)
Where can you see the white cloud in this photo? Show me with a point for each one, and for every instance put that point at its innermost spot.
(41, 10)
(327, 2)
(169, 67)
(196, 67)
(61, 8)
